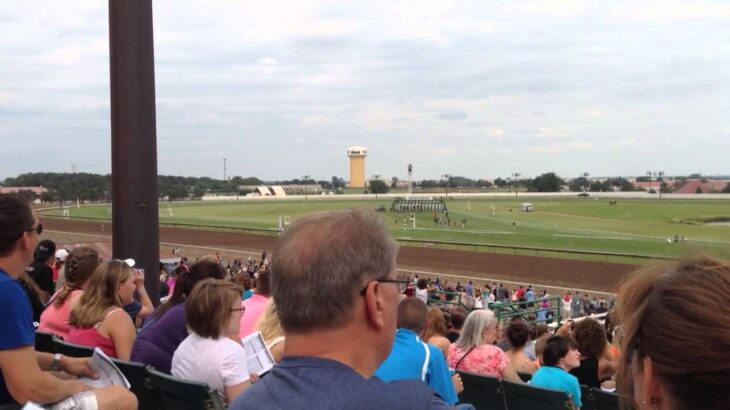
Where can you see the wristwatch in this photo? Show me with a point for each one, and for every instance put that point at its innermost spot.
(56, 363)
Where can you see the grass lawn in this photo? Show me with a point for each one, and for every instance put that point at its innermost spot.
(631, 226)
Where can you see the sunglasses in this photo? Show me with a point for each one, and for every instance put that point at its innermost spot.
(241, 309)
(38, 229)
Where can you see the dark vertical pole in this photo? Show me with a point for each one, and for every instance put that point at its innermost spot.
(134, 140)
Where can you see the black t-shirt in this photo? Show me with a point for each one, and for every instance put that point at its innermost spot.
(587, 373)
(35, 301)
(42, 274)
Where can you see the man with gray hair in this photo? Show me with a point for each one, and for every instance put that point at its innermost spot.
(333, 279)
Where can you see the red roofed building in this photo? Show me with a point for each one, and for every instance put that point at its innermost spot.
(15, 189)
(710, 186)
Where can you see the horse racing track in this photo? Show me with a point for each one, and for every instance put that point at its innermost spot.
(553, 272)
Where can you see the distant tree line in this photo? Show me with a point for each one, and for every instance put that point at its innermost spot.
(95, 187)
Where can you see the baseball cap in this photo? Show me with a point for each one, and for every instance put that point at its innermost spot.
(61, 255)
(45, 249)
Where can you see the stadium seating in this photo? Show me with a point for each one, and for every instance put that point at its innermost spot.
(179, 394)
(527, 397)
(44, 342)
(71, 349)
(138, 376)
(483, 392)
(597, 399)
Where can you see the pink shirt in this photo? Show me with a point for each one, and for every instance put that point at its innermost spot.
(90, 336)
(255, 307)
(487, 360)
(55, 319)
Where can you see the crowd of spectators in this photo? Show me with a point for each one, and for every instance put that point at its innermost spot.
(345, 329)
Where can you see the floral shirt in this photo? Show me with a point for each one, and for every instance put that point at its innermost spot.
(487, 360)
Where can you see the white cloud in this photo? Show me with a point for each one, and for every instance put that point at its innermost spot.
(478, 87)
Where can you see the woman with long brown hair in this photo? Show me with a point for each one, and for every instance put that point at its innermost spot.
(596, 361)
(676, 347)
(80, 264)
(435, 331)
(99, 320)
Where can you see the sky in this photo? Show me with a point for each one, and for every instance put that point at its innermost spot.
(281, 88)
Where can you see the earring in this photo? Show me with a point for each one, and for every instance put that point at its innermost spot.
(654, 404)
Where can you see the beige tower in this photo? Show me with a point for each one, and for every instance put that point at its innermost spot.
(357, 166)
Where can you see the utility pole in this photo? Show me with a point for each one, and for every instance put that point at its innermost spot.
(376, 177)
(585, 187)
(515, 176)
(447, 177)
(224, 169)
(305, 178)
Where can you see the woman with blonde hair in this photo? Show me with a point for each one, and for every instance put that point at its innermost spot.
(208, 355)
(475, 352)
(676, 346)
(435, 331)
(99, 320)
(80, 264)
(271, 331)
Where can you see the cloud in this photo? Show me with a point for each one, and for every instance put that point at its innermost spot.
(531, 85)
(452, 115)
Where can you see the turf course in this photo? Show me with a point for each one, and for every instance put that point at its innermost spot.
(631, 226)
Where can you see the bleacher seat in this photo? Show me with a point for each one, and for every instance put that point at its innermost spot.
(482, 392)
(71, 349)
(44, 342)
(138, 376)
(179, 394)
(587, 398)
(526, 397)
(605, 400)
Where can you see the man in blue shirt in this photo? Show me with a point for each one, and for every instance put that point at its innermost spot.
(22, 376)
(336, 289)
(559, 356)
(411, 358)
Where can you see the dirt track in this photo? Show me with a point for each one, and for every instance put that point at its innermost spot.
(567, 273)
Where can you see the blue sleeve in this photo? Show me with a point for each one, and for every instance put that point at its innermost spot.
(439, 377)
(575, 392)
(16, 320)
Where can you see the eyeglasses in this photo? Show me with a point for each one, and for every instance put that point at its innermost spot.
(38, 229)
(402, 284)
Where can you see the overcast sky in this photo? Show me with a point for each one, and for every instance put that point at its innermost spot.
(474, 88)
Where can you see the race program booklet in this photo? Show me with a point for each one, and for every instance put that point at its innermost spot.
(258, 357)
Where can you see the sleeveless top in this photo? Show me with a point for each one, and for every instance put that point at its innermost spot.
(55, 319)
(90, 336)
(587, 373)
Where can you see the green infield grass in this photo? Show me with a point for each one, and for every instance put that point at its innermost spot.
(645, 227)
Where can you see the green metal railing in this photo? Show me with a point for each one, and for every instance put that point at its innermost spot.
(506, 311)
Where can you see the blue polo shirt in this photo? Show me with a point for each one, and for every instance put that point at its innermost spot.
(557, 379)
(411, 358)
(16, 323)
(307, 383)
